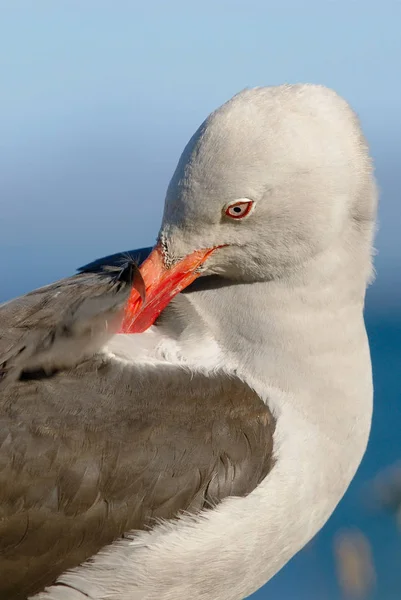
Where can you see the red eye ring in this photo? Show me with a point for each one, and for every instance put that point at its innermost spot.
(239, 209)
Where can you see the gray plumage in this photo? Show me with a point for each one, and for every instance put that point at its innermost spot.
(90, 451)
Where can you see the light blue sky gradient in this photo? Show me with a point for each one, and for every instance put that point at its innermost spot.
(99, 98)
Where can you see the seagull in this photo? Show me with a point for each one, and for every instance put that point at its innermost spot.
(179, 422)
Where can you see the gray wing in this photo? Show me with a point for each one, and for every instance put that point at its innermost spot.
(90, 449)
(57, 325)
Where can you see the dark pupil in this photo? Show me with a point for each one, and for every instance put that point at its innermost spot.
(237, 209)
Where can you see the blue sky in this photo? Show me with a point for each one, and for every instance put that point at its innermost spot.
(99, 98)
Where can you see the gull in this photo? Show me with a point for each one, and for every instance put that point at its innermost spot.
(182, 429)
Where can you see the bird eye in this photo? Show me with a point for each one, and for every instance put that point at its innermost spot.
(239, 209)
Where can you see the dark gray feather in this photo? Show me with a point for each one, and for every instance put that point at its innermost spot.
(91, 449)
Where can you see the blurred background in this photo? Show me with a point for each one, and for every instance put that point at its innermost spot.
(98, 98)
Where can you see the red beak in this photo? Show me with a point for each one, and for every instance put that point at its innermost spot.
(161, 285)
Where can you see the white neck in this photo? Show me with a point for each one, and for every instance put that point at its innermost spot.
(302, 338)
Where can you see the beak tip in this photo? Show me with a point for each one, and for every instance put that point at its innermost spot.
(156, 285)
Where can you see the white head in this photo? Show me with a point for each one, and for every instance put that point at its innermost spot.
(296, 154)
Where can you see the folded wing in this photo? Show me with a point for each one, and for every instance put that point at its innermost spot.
(91, 448)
